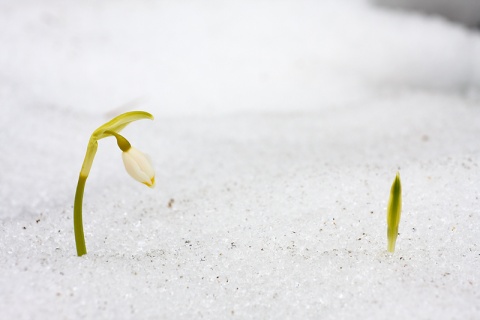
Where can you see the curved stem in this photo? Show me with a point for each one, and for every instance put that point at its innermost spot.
(77, 217)
(78, 203)
(122, 143)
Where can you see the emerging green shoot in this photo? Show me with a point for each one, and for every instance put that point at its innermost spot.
(394, 211)
(136, 163)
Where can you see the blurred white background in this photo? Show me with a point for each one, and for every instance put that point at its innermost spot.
(462, 11)
(216, 57)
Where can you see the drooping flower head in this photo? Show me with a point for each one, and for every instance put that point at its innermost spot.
(138, 165)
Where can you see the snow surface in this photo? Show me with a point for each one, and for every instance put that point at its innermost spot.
(279, 129)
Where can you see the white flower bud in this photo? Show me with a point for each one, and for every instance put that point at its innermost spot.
(139, 166)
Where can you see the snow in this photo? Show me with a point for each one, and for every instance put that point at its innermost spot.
(279, 128)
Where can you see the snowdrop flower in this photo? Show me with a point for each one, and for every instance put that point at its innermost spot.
(136, 163)
(139, 166)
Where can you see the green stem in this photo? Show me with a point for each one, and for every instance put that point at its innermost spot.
(77, 217)
(77, 205)
(122, 143)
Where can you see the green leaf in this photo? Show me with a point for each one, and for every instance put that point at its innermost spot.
(119, 122)
(394, 212)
